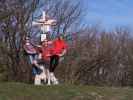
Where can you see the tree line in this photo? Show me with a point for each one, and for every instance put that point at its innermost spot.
(94, 57)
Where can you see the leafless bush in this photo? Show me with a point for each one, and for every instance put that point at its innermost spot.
(13, 20)
(101, 59)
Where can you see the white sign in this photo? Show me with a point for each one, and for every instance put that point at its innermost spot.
(43, 37)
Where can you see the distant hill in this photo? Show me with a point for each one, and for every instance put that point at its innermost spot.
(20, 91)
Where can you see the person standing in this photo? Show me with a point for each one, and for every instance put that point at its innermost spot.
(30, 50)
(59, 49)
(45, 56)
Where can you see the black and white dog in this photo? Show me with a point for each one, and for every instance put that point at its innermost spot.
(47, 71)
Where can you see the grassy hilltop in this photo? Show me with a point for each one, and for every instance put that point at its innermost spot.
(20, 91)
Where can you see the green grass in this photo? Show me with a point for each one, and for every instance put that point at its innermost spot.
(20, 91)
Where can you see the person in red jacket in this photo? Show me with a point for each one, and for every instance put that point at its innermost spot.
(45, 58)
(46, 51)
(58, 50)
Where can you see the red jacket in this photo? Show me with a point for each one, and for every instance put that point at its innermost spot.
(46, 53)
(58, 46)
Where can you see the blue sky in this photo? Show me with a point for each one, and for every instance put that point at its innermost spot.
(109, 13)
